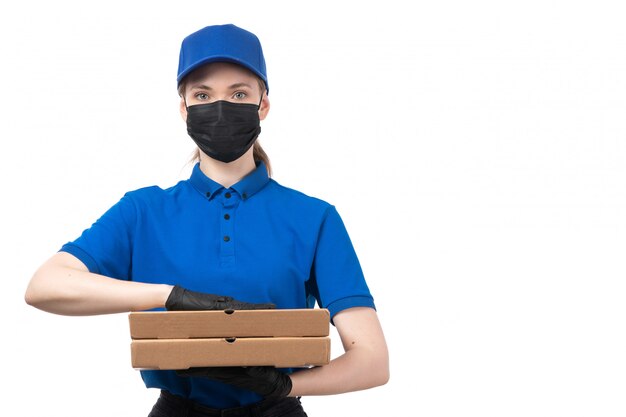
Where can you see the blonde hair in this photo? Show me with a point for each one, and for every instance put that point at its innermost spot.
(258, 153)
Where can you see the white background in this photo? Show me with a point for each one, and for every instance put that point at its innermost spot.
(475, 150)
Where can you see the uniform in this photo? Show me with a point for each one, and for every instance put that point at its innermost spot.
(257, 241)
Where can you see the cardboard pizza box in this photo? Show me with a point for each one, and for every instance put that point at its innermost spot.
(285, 338)
(229, 323)
(281, 352)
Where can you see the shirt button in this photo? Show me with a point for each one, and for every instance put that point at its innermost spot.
(227, 216)
(226, 238)
(208, 194)
(245, 196)
(227, 195)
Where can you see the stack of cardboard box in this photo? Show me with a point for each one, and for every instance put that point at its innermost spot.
(184, 339)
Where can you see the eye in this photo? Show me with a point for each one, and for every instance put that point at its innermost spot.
(201, 96)
(240, 95)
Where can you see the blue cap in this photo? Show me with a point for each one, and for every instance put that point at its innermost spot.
(222, 43)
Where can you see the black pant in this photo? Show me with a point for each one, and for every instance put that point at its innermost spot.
(170, 405)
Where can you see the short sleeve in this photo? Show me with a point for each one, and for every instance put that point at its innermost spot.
(106, 247)
(337, 277)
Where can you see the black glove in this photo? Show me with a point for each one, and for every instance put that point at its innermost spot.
(182, 299)
(264, 380)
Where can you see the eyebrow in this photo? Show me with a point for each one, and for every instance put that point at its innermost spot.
(230, 87)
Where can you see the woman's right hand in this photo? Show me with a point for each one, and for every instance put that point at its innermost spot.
(182, 299)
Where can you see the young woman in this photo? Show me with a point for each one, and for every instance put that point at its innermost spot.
(228, 237)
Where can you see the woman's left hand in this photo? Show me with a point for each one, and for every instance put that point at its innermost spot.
(264, 380)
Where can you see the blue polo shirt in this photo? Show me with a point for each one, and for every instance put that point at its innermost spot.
(257, 241)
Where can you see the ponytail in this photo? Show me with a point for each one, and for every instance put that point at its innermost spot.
(260, 155)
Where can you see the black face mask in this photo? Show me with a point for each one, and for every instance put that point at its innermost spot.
(224, 130)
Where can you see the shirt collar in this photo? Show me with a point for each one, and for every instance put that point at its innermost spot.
(246, 187)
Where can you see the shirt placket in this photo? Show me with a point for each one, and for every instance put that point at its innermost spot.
(230, 201)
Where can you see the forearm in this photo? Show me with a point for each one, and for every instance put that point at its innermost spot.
(353, 371)
(365, 363)
(63, 288)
